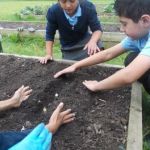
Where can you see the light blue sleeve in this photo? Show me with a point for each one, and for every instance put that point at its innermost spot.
(39, 139)
(129, 45)
(146, 49)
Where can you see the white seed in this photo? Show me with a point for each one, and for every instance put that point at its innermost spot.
(44, 110)
(23, 128)
(56, 94)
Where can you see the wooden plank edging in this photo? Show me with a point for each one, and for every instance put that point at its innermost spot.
(107, 36)
(135, 138)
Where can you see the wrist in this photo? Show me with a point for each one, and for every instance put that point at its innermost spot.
(49, 56)
(50, 128)
(11, 102)
(92, 40)
(97, 87)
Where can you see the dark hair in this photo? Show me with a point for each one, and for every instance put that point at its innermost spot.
(132, 9)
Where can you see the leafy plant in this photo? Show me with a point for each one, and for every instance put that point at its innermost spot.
(109, 8)
(27, 10)
(36, 10)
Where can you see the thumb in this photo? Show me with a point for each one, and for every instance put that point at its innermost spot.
(58, 109)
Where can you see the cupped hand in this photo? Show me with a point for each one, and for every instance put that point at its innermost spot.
(21, 95)
(59, 117)
(92, 48)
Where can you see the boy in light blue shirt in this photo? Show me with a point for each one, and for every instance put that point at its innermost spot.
(134, 16)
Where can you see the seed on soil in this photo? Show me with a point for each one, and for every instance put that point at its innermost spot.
(39, 101)
(56, 94)
(125, 128)
(23, 128)
(44, 110)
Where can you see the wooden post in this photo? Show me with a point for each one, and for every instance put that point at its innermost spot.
(134, 139)
(1, 49)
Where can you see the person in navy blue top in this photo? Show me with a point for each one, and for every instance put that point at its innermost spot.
(73, 19)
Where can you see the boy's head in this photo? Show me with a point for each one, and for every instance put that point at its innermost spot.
(134, 17)
(133, 9)
(69, 6)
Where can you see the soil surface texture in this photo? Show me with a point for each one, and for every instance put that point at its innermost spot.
(101, 117)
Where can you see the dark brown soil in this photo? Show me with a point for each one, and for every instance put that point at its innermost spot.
(101, 119)
(41, 26)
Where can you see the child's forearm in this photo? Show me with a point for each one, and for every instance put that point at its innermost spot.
(96, 36)
(50, 129)
(49, 48)
(6, 104)
(100, 57)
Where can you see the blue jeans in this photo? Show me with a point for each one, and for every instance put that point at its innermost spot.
(10, 138)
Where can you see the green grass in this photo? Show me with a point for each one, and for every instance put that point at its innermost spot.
(35, 46)
(31, 46)
(9, 8)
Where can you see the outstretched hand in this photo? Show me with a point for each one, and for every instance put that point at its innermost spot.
(91, 85)
(59, 117)
(65, 71)
(21, 95)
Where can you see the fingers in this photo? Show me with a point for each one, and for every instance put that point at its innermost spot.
(85, 47)
(58, 74)
(98, 49)
(84, 82)
(26, 91)
(93, 50)
(43, 60)
(20, 89)
(58, 109)
(68, 118)
(66, 112)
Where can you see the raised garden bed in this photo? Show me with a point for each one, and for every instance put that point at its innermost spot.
(102, 118)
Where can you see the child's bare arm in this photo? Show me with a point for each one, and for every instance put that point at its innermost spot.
(20, 95)
(99, 57)
(123, 77)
